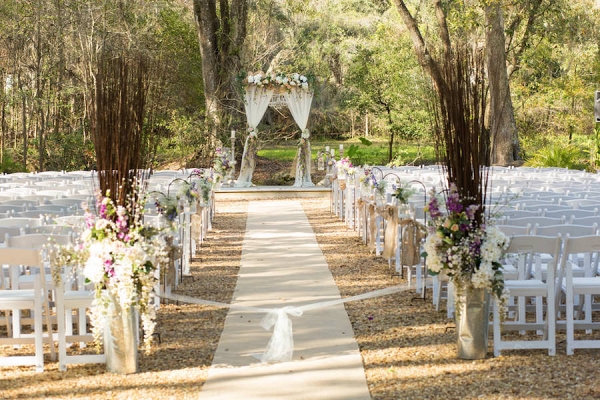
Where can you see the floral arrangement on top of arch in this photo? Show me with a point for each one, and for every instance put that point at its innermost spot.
(277, 80)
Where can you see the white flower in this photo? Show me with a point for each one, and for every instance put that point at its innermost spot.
(250, 79)
(483, 276)
(94, 269)
(305, 134)
(101, 224)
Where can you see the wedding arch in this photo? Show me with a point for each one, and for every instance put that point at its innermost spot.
(259, 90)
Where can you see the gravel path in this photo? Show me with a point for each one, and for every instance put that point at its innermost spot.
(407, 347)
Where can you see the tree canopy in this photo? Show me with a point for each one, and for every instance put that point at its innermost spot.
(360, 51)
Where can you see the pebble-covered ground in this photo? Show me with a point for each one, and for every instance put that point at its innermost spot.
(407, 347)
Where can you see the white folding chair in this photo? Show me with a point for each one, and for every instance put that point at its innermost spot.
(532, 221)
(72, 294)
(569, 214)
(588, 221)
(511, 230)
(565, 229)
(528, 249)
(35, 300)
(21, 222)
(586, 248)
(34, 241)
(511, 213)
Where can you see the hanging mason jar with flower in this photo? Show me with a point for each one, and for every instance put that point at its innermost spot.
(401, 193)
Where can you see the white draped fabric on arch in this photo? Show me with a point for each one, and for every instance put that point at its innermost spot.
(256, 101)
(299, 102)
(259, 90)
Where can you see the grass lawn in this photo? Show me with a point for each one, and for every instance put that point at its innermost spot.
(375, 154)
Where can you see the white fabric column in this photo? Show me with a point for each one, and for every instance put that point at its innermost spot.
(256, 101)
(299, 102)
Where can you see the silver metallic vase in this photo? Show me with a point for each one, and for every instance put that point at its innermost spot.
(472, 322)
(121, 340)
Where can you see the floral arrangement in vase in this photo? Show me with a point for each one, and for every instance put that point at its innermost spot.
(466, 251)
(121, 256)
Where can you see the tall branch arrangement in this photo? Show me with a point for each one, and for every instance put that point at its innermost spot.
(117, 119)
(460, 133)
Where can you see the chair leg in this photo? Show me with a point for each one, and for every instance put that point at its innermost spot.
(82, 326)
(570, 324)
(497, 331)
(39, 337)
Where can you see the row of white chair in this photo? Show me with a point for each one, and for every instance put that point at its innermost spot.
(26, 275)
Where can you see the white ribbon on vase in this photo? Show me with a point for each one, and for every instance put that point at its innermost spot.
(281, 344)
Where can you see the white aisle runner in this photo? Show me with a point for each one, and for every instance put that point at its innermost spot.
(282, 265)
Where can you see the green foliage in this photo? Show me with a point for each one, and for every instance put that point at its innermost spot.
(182, 135)
(9, 165)
(281, 153)
(384, 79)
(354, 151)
(69, 152)
(559, 155)
(365, 141)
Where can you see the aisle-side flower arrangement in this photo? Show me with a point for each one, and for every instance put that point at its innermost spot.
(344, 167)
(466, 251)
(121, 257)
(222, 163)
(206, 181)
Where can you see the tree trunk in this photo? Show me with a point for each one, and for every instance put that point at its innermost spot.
(221, 34)
(423, 55)
(503, 128)
(392, 133)
(24, 133)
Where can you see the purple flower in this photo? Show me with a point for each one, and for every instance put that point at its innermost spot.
(433, 208)
(471, 210)
(110, 271)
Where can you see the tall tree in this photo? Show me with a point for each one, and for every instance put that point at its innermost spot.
(503, 128)
(221, 33)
